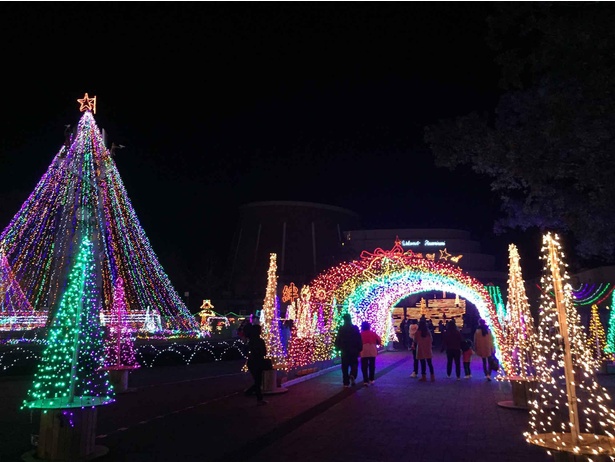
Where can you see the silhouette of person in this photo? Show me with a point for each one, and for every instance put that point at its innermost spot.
(348, 342)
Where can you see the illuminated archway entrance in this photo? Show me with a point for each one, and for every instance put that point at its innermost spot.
(368, 289)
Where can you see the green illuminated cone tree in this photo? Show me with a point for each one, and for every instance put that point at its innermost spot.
(70, 373)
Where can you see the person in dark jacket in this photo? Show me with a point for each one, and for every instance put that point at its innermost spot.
(257, 350)
(451, 343)
(348, 342)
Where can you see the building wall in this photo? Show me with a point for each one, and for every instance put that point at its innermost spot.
(309, 238)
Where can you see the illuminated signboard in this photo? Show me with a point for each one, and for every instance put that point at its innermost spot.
(426, 243)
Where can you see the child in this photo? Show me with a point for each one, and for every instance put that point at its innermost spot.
(466, 348)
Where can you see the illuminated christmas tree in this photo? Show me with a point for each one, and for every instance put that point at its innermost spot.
(596, 340)
(83, 185)
(519, 330)
(70, 373)
(570, 412)
(270, 317)
(119, 344)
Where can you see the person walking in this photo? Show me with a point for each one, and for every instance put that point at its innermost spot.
(371, 340)
(466, 354)
(483, 346)
(257, 350)
(451, 343)
(348, 342)
(424, 345)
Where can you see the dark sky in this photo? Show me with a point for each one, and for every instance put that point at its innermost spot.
(222, 104)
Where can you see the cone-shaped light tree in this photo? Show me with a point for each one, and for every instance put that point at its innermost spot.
(570, 412)
(70, 373)
(83, 184)
(270, 317)
(596, 340)
(519, 330)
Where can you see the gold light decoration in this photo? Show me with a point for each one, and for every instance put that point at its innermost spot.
(569, 412)
(519, 331)
(270, 317)
(596, 340)
(290, 293)
(444, 255)
(87, 103)
(456, 258)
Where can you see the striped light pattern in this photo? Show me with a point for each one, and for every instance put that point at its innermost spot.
(496, 296)
(369, 287)
(519, 327)
(12, 299)
(569, 410)
(83, 185)
(70, 373)
(587, 294)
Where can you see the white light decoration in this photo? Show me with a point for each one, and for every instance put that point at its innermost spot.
(569, 411)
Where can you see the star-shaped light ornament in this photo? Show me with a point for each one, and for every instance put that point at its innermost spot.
(87, 103)
(444, 255)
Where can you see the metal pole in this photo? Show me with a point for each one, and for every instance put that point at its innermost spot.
(563, 322)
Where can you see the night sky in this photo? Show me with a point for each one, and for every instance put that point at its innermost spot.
(222, 104)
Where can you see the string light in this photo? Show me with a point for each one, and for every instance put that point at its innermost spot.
(519, 330)
(271, 315)
(596, 340)
(367, 289)
(569, 411)
(70, 373)
(83, 185)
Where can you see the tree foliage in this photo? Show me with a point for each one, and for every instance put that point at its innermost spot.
(547, 148)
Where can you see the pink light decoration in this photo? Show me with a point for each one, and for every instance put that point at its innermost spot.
(119, 344)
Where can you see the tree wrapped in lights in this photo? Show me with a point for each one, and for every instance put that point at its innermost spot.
(83, 184)
(570, 412)
(71, 371)
(270, 314)
(519, 330)
(119, 343)
(596, 340)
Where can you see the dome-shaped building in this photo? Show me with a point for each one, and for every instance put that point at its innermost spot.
(307, 238)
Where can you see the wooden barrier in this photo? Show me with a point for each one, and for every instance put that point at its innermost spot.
(68, 435)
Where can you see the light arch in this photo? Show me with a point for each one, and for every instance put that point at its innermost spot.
(369, 287)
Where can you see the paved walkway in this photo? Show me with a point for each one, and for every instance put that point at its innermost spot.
(199, 413)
